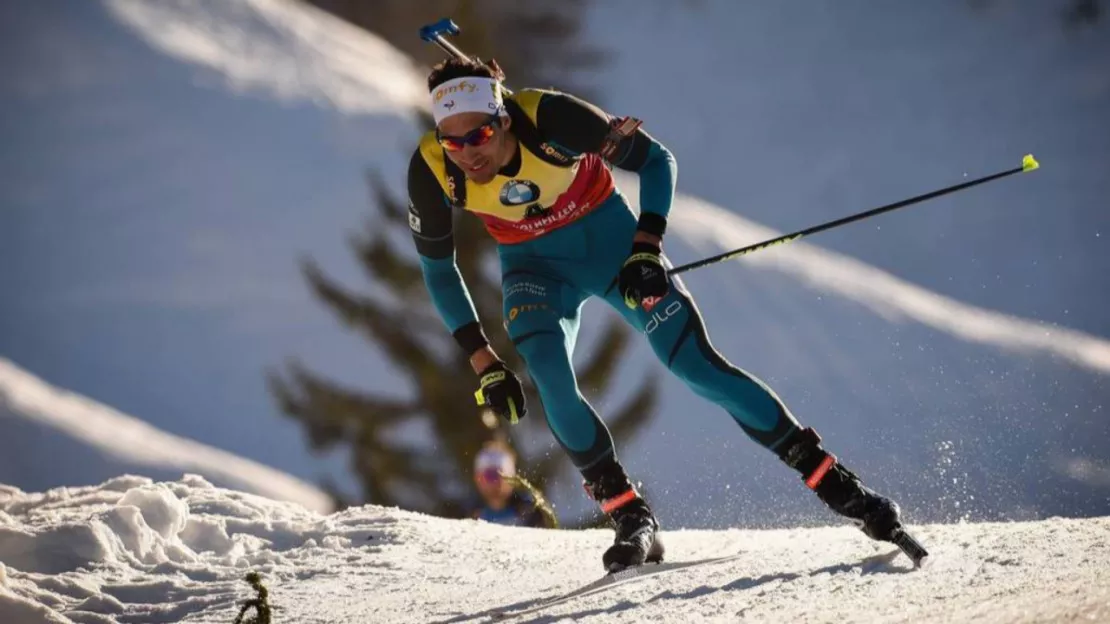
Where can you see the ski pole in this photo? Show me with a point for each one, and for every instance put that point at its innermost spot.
(436, 33)
(1027, 164)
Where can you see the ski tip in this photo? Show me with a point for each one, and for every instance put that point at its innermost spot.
(1029, 163)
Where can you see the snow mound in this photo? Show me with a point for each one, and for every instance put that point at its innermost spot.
(134, 550)
(123, 440)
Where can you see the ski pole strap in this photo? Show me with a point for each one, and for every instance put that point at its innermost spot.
(612, 504)
(822, 469)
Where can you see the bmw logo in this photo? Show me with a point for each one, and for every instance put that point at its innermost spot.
(517, 192)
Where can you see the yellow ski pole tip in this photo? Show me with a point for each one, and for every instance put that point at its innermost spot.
(1029, 163)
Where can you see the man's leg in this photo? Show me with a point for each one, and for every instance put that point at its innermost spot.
(678, 335)
(541, 317)
(679, 338)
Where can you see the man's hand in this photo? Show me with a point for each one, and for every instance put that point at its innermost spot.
(643, 278)
(644, 237)
(500, 389)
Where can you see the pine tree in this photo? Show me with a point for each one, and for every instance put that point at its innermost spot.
(532, 43)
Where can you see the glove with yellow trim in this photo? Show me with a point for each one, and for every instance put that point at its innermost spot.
(500, 389)
(643, 278)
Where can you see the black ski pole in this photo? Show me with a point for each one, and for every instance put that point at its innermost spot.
(1027, 164)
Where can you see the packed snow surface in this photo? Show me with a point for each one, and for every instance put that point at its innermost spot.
(134, 550)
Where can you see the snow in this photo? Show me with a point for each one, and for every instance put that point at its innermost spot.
(959, 409)
(111, 442)
(150, 245)
(293, 52)
(149, 256)
(134, 550)
(710, 229)
(801, 114)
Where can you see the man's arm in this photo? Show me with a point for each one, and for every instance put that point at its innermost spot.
(583, 127)
(431, 222)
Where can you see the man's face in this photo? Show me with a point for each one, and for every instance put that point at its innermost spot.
(493, 489)
(483, 140)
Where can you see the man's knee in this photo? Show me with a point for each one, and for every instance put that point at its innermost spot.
(579, 431)
(673, 327)
(544, 353)
(534, 329)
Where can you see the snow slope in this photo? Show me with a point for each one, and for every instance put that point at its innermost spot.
(707, 227)
(173, 159)
(59, 438)
(802, 113)
(132, 550)
(149, 253)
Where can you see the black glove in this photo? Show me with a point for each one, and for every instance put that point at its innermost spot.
(643, 278)
(500, 389)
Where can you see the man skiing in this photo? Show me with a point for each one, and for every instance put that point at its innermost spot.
(534, 166)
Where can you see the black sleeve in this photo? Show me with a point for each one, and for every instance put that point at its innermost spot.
(430, 216)
(531, 515)
(582, 127)
(536, 520)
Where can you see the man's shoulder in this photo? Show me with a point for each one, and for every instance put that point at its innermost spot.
(426, 144)
(563, 111)
(427, 169)
(533, 99)
(427, 153)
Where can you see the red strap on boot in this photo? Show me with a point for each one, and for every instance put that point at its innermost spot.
(826, 465)
(608, 506)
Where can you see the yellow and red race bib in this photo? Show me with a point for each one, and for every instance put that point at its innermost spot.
(540, 198)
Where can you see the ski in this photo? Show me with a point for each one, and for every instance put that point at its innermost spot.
(611, 580)
(901, 538)
(911, 547)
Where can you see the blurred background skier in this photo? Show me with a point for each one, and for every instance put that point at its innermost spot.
(503, 501)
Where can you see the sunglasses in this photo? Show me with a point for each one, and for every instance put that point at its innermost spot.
(490, 475)
(476, 137)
